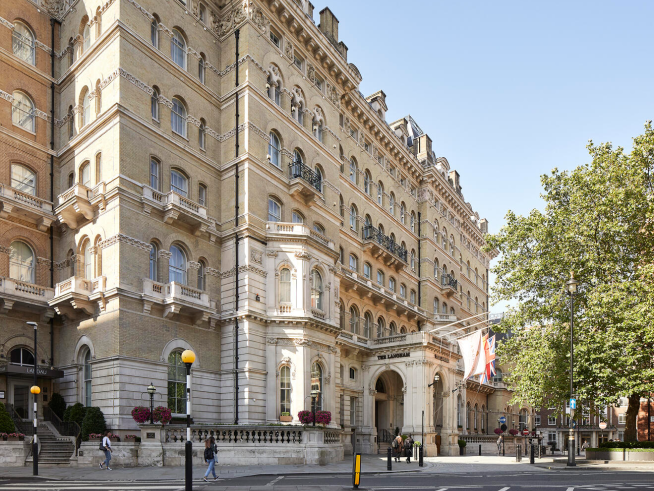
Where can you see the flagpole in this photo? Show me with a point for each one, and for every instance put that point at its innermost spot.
(461, 320)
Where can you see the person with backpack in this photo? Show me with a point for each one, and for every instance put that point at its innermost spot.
(210, 451)
(396, 445)
(408, 449)
(105, 446)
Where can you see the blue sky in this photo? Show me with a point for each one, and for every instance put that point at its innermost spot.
(507, 90)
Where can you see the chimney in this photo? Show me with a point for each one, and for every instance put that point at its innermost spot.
(454, 178)
(329, 25)
(483, 225)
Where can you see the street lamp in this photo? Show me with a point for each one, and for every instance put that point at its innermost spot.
(572, 291)
(36, 391)
(437, 377)
(314, 396)
(188, 357)
(151, 390)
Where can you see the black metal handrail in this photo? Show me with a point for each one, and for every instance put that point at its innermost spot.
(21, 426)
(372, 233)
(299, 170)
(64, 428)
(448, 280)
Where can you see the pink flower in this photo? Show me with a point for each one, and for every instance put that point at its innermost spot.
(162, 415)
(141, 414)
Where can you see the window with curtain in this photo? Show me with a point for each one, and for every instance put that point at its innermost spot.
(154, 33)
(22, 262)
(201, 69)
(178, 49)
(88, 376)
(177, 265)
(285, 285)
(155, 173)
(176, 383)
(316, 290)
(178, 117)
(85, 174)
(273, 149)
(88, 260)
(201, 276)
(153, 262)
(178, 183)
(22, 112)
(202, 195)
(316, 385)
(22, 42)
(285, 390)
(274, 210)
(23, 179)
(202, 135)
(154, 104)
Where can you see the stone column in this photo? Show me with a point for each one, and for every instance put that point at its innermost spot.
(162, 266)
(272, 381)
(4, 261)
(192, 273)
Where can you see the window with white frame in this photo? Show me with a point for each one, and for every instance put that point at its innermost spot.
(23, 179)
(177, 265)
(22, 262)
(178, 117)
(178, 49)
(87, 373)
(23, 43)
(354, 266)
(274, 210)
(273, 149)
(22, 112)
(285, 391)
(551, 420)
(176, 383)
(285, 285)
(178, 183)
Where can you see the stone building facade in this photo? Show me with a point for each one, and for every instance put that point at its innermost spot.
(302, 246)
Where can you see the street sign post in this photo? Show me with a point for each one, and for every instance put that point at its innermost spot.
(502, 420)
(573, 403)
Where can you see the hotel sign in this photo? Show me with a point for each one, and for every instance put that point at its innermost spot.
(393, 355)
(41, 372)
(441, 358)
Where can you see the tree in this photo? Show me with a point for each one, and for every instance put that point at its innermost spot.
(75, 413)
(57, 404)
(598, 221)
(93, 422)
(6, 423)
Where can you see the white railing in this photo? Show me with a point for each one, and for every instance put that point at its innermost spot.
(78, 190)
(445, 318)
(175, 199)
(28, 291)
(76, 284)
(173, 291)
(298, 229)
(25, 198)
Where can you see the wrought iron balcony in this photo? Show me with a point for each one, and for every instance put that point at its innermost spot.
(305, 182)
(449, 284)
(384, 245)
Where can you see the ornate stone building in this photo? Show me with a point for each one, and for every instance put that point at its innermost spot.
(220, 183)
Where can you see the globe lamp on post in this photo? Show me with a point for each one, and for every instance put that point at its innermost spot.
(188, 357)
(151, 391)
(571, 287)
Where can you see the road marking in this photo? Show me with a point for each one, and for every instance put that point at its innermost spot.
(506, 489)
(570, 489)
(271, 483)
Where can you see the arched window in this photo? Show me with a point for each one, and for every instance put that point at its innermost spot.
(319, 178)
(285, 391)
(86, 108)
(412, 297)
(22, 112)
(354, 320)
(154, 32)
(22, 41)
(22, 357)
(475, 417)
(468, 298)
(444, 308)
(85, 174)
(273, 149)
(381, 327)
(297, 217)
(202, 134)
(413, 222)
(380, 193)
(402, 330)
(436, 305)
(354, 263)
(367, 324)
(98, 168)
(98, 257)
(178, 49)
(273, 85)
(316, 385)
(413, 260)
(391, 205)
(353, 218)
(202, 195)
(88, 259)
(468, 416)
(98, 22)
(155, 174)
(154, 276)
(402, 213)
(274, 210)
(22, 262)
(177, 265)
(88, 376)
(178, 183)
(23, 179)
(71, 122)
(297, 156)
(201, 67)
(393, 329)
(380, 277)
(202, 281)
(285, 285)
(367, 183)
(483, 412)
(437, 234)
(354, 173)
(317, 130)
(436, 268)
(178, 117)
(341, 205)
(316, 290)
(176, 383)
(86, 34)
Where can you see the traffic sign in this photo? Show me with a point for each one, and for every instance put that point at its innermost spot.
(525, 432)
(503, 427)
(602, 425)
(573, 403)
(502, 419)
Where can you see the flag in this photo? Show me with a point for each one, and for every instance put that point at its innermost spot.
(489, 349)
(470, 347)
(480, 365)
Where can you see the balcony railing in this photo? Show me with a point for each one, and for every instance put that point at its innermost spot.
(298, 229)
(176, 296)
(12, 291)
(77, 293)
(298, 170)
(373, 234)
(178, 208)
(16, 202)
(448, 281)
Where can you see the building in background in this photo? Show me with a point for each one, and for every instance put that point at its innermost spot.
(302, 246)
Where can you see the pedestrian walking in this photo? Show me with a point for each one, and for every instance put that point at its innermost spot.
(585, 445)
(408, 449)
(500, 440)
(397, 447)
(105, 446)
(210, 451)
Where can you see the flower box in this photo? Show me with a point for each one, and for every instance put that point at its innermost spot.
(15, 437)
(286, 419)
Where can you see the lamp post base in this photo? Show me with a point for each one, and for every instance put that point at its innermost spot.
(189, 466)
(571, 452)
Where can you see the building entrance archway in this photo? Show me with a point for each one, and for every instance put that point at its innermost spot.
(389, 406)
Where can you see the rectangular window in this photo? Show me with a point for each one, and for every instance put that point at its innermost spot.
(366, 146)
(340, 120)
(298, 62)
(622, 418)
(275, 39)
(202, 195)
(537, 420)
(285, 391)
(353, 411)
(354, 133)
(551, 420)
(319, 83)
(551, 436)
(353, 374)
(154, 175)
(367, 270)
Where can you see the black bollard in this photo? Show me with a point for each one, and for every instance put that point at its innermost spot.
(503, 450)
(389, 462)
(480, 449)
(532, 454)
(420, 456)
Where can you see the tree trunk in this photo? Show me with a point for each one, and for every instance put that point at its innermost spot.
(630, 433)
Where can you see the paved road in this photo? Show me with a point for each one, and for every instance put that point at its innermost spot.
(545, 480)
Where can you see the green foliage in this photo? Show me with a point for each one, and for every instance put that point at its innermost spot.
(93, 422)
(397, 430)
(75, 413)
(605, 445)
(57, 404)
(462, 443)
(6, 423)
(598, 221)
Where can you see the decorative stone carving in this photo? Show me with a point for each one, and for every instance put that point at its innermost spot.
(289, 50)
(271, 253)
(256, 256)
